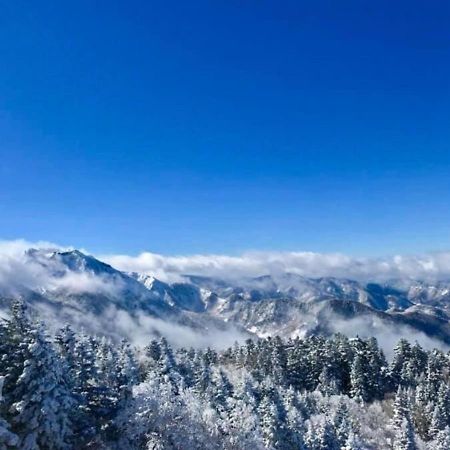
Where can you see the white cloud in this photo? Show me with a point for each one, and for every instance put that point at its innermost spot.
(16, 269)
(19, 271)
(139, 329)
(386, 334)
(427, 267)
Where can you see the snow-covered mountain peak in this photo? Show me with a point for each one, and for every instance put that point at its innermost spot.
(75, 260)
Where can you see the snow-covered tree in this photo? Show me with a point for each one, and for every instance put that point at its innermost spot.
(404, 436)
(83, 391)
(442, 440)
(43, 402)
(359, 378)
(7, 438)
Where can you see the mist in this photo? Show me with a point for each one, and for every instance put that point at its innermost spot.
(387, 335)
(432, 267)
(138, 329)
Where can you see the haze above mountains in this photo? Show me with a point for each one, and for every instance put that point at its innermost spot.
(191, 308)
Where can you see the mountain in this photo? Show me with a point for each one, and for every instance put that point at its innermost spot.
(72, 286)
(290, 305)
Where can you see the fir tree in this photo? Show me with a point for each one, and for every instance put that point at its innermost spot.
(404, 436)
(442, 441)
(359, 378)
(7, 438)
(269, 422)
(42, 411)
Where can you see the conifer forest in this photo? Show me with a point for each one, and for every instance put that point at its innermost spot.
(71, 390)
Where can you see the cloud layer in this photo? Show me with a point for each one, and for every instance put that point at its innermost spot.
(19, 270)
(16, 269)
(424, 267)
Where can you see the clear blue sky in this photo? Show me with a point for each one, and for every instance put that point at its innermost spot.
(224, 126)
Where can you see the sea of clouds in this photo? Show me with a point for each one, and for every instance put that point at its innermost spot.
(15, 268)
(429, 267)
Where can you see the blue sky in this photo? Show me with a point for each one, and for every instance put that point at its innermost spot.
(225, 126)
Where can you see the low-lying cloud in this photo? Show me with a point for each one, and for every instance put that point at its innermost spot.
(20, 270)
(139, 329)
(434, 266)
(16, 269)
(386, 334)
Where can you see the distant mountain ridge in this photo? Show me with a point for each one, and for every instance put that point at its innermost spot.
(292, 305)
(75, 287)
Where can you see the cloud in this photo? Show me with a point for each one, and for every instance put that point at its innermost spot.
(387, 335)
(21, 270)
(17, 269)
(138, 328)
(434, 266)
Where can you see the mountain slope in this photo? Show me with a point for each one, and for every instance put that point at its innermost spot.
(79, 289)
(291, 306)
(70, 286)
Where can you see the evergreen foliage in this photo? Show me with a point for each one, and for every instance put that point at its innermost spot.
(76, 391)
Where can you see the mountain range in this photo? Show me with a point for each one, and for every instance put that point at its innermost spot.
(70, 286)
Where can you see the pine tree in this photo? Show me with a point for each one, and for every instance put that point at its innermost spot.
(202, 375)
(377, 369)
(7, 438)
(419, 357)
(42, 412)
(328, 384)
(278, 361)
(359, 378)
(88, 391)
(14, 345)
(401, 407)
(127, 371)
(269, 421)
(153, 350)
(219, 390)
(434, 373)
(321, 436)
(108, 387)
(341, 422)
(65, 340)
(404, 436)
(438, 421)
(353, 442)
(443, 401)
(442, 441)
(422, 410)
(167, 366)
(294, 420)
(244, 431)
(296, 364)
(402, 353)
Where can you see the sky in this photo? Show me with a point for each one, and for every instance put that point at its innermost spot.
(226, 126)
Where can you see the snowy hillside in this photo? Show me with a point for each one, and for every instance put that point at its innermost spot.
(70, 286)
(295, 381)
